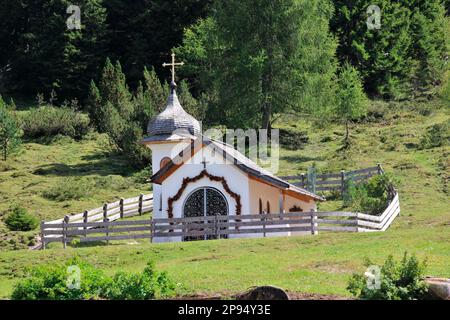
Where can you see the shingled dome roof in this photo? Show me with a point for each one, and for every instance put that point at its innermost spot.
(173, 118)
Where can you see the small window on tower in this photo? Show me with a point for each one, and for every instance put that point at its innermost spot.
(164, 161)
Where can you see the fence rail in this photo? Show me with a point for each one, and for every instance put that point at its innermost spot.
(109, 212)
(334, 181)
(214, 227)
(100, 224)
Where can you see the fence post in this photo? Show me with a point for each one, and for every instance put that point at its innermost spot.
(85, 220)
(152, 229)
(121, 207)
(141, 197)
(105, 211)
(42, 235)
(380, 169)
(216, 231)
(107, 231)
(303, 180)
(342, 182)
(313, 222)
(64, 230)
(105, 219)
(264, 225)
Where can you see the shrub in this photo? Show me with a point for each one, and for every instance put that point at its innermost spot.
(147, 285)
(52, 282)
(293, 139)
(437, 135)
(49, 121)
(69, 189)
(143, 176)
(20, 220)
(370, 197)
(10, 132)
(398, 281)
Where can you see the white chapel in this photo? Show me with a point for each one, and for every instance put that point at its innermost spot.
(194, 175)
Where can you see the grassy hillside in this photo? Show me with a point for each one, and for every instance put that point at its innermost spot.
(319, 264)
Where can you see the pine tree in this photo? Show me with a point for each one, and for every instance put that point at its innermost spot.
(192, 106)
(429, 42)
(380, 55)
(10, 132)
(147, 31)
(43, 55)
(352, 101)
(257, 63)
(94, 107)
(156, 91)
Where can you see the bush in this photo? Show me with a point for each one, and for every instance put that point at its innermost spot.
(52, 282)
(397, 281)
(437, 135)
(49, 121)
(147, 285)
(70, 189)
(370, 197)
(293, 139)
(20, 220)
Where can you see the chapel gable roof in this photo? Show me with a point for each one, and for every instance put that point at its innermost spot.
(233, 156)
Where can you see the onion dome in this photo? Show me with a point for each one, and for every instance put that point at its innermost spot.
(173, 118)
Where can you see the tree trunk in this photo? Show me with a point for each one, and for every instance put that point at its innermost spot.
(267, 90)
(347, 133)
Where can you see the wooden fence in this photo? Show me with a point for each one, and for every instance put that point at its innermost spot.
(109, 212)
(334, 181)
(214, 227)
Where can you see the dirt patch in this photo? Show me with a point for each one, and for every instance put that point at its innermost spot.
(231, 296)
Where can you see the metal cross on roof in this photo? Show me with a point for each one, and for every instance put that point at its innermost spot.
(173, 65)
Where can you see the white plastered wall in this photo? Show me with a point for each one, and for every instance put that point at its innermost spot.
(237, 182)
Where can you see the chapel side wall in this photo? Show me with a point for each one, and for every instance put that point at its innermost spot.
(306, 206)
(266, 193)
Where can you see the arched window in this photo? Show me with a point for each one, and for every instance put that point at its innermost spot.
(268, 207)
(164, 161)
(260, 206)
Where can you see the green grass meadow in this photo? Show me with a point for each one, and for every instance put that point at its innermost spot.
(310, 264)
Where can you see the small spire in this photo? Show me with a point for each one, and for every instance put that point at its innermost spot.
(173, 85)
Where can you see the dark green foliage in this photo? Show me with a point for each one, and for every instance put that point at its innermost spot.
(143, 32)
(351, 99)
(402, 280)
(380, 55)
(119, 114)
(408, 50)
(256, 63)
(47, 121)
(20, 220)
(369, 197)
(42, 55)
(428, 46)
(196, 108)
(51, 282)
(293, 139)
(10, 132)
(147, 285)
(436, 136)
